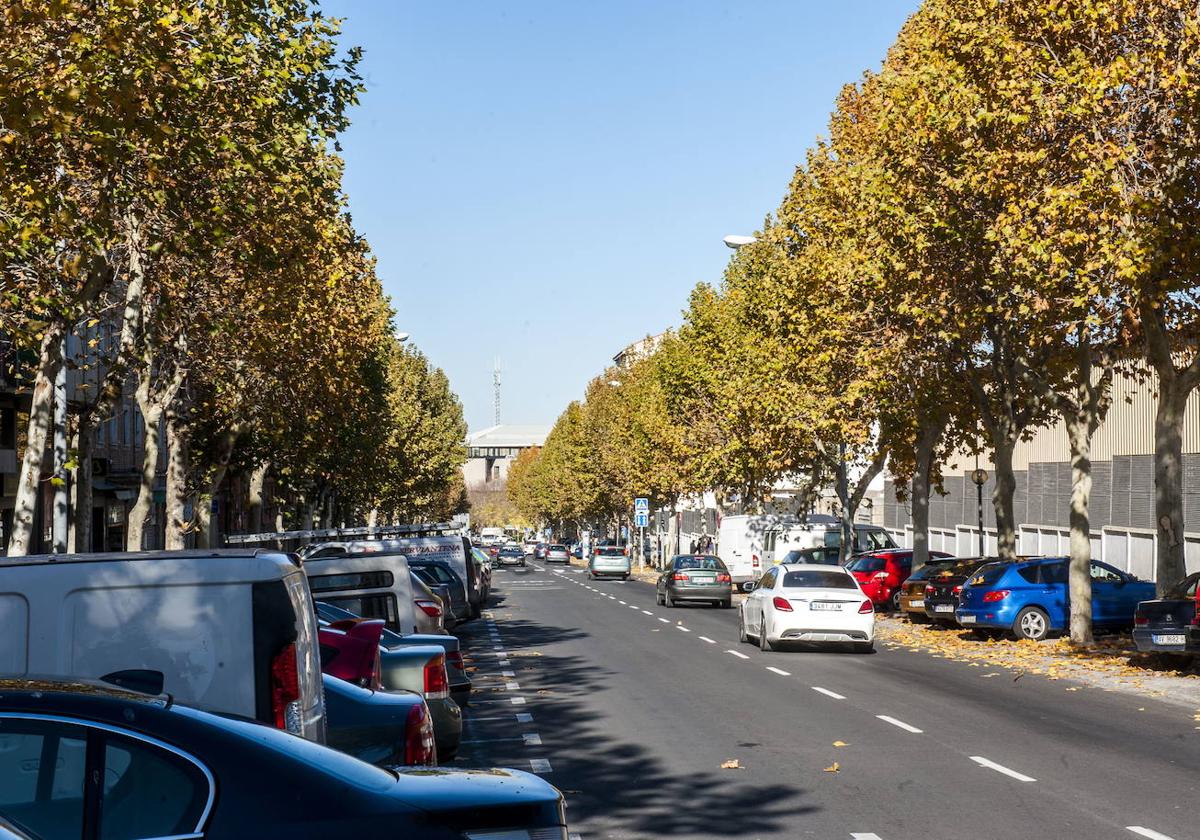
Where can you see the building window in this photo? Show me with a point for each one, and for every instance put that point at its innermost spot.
(8, 428)
(495, 473)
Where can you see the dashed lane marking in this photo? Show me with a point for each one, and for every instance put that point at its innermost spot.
(866, 836)
(524, 717)
(779, 671)
(905, 726)
(738, 655)
(1000, 768)
(632, 607)
(681, 627)
(517, 701)
(532, 739)
(512, 685)
(508, 673)
(664, 620)
(828, 693)
(706, 639)
(622, 603)
(1147, 832)
(647, 612)
(540, 765)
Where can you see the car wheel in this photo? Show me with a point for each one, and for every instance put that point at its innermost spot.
(1032, 623)
(658, 598)
(763, 644)
(742, 637)
(669, 601)
(728, 605)
(895, 601)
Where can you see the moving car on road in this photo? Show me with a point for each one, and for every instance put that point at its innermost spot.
(912, 591)
(608, 561)
(1170, 623)
(880, 573)
(132, 765)
(1030, 598)
(558, 554)
(695, 577)
(807, 604)
(511, 555)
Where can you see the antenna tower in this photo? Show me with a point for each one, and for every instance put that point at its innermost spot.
(496, 391)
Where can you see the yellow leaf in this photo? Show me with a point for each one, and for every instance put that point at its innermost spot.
(833, 768)
(840, 744)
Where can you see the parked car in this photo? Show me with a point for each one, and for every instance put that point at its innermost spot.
(695, 577)
(942, 588)
(230, 630)
(428, 607)
(912, 591)
(174, 771)
(880, 573)
(807, 603)
(438, 575)
(1170, 623)
(384, 728)
(370, 585)
(511, 556)
(608, 561)
(1030, 598)
(558, 554)
(350, 650)
(460, 680)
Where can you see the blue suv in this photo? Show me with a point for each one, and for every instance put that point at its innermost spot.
(1030, 599)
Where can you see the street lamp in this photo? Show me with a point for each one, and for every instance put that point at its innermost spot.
(401, 337)
(980, 478)
(615, 383)
(735, 241)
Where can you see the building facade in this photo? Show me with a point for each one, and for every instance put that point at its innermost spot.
(491, 452)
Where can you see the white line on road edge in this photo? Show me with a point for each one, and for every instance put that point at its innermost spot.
(779, 671)
(632, 607)
(706, 639)
(647, 612)
(532, 739)
(1147, 832)
(828, 693)
(738, 655)
(508, 673)
(905, 726)
(524, 717)
(664, 620)
(867, 836)
(622, 603)
(1000, 768)
(517, 701)
(540, 765)
(681, 627)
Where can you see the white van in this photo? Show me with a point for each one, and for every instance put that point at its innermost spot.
(746, 543)
(452, 549)
(824, 531)
(232, 631)
(370, 583)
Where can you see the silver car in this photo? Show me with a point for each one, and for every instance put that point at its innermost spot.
(558, 554)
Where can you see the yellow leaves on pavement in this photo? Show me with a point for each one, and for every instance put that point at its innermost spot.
(732, 764)
(833, 768)
(840, 744)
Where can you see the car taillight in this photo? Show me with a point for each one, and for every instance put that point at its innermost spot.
(993, 597)
(781, 604)
(419, 746)
(928, 590)
(1139, 619)
(679, 576)
(429, 608)
(956, 590)
(285, 690)
(437, 682)
(454, 658)
(866, 607)
(754, 560)
(724, 578)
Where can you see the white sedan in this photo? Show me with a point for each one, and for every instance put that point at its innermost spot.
(806, 603)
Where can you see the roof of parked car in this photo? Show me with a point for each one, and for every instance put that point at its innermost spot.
(195, 553)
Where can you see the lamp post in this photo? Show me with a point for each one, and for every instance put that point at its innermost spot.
(735, 241)
(980, 478)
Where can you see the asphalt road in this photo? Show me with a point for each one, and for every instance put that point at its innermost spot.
(631, 708)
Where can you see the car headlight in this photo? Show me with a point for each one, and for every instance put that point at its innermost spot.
(549, 833)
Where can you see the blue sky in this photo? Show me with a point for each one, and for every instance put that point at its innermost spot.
(544, 182)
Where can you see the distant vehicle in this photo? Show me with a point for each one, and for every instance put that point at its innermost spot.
(944, 585)
(511, 556)
(810, 604)
(384, 728)
(695, 577)
(880, 573)
(440, 574)
(428, 607)
(230, 630)
(608, 561)
(912, 591)
(529, 546)
(1170, 623)
(539, 551)
(174, 771)
(368, 585)
(1030, 598)
(558, 554)
(811, 556)
(491, 536)
(577, 551)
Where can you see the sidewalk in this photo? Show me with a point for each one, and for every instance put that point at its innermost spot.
(1113, 664)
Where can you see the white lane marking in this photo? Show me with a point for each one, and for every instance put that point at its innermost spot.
(540, 765)
(517, 701)
(612, 597)
(867, 836)
(508, 673)
(574, 836)
(512, 685)
(503, 661)
(905, 726)
(647, 612)
(779, 671)
(524, 717)
(1000, 768)
(664, 620)
(632, 607)
(681, 627)
(498, 648)
(828, 693)
(738, 655)
(1147, 832)
(532, 739)
(706, 639)
(622, 603)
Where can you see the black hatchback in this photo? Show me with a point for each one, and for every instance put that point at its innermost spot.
(89, 760)
(1170, 623)
(695, 577)
(943, 586)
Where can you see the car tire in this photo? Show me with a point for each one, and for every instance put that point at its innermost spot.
(1032, 623)
(894, 601)
(658, 598)
(742, 636)
(763, 644)
(668, 601)
(726, 605)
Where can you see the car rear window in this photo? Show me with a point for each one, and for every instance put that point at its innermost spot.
(818, 579)
(703, 561)
(819, 556)
(987, 575)
(610, 551)
(867, 564)
(930, 568)
(350, 580)
(558, 548)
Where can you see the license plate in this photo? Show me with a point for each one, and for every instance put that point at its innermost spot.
(702, 580)
(825, 605)
(1170, 640)
(944, 608)
(967, 619)
(917, 602)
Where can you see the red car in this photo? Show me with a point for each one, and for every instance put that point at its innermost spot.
(880, 573)
(350, 651)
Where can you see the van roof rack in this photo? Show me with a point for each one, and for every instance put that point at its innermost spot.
(365, 533)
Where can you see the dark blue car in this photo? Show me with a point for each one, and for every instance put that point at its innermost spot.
(1030, 600)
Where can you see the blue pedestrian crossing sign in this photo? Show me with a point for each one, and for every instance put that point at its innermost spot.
(641, 505)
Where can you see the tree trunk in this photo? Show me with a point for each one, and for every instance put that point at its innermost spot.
(1080, 578)
(1168, 481)
(140, 512)
(178, 446)
(40, 416)
(926, 442)
(254, 500)
(1002, 495)
(84, 482)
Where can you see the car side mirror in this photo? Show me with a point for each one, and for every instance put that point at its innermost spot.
(750, 586)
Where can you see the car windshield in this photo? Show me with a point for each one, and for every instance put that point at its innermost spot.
(703, 561)
(869, 563)
(609, 551)
(818, 579)
(511, 552)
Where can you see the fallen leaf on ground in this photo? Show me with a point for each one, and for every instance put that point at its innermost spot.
(840, 744)
(731, 764)
(833, 768)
